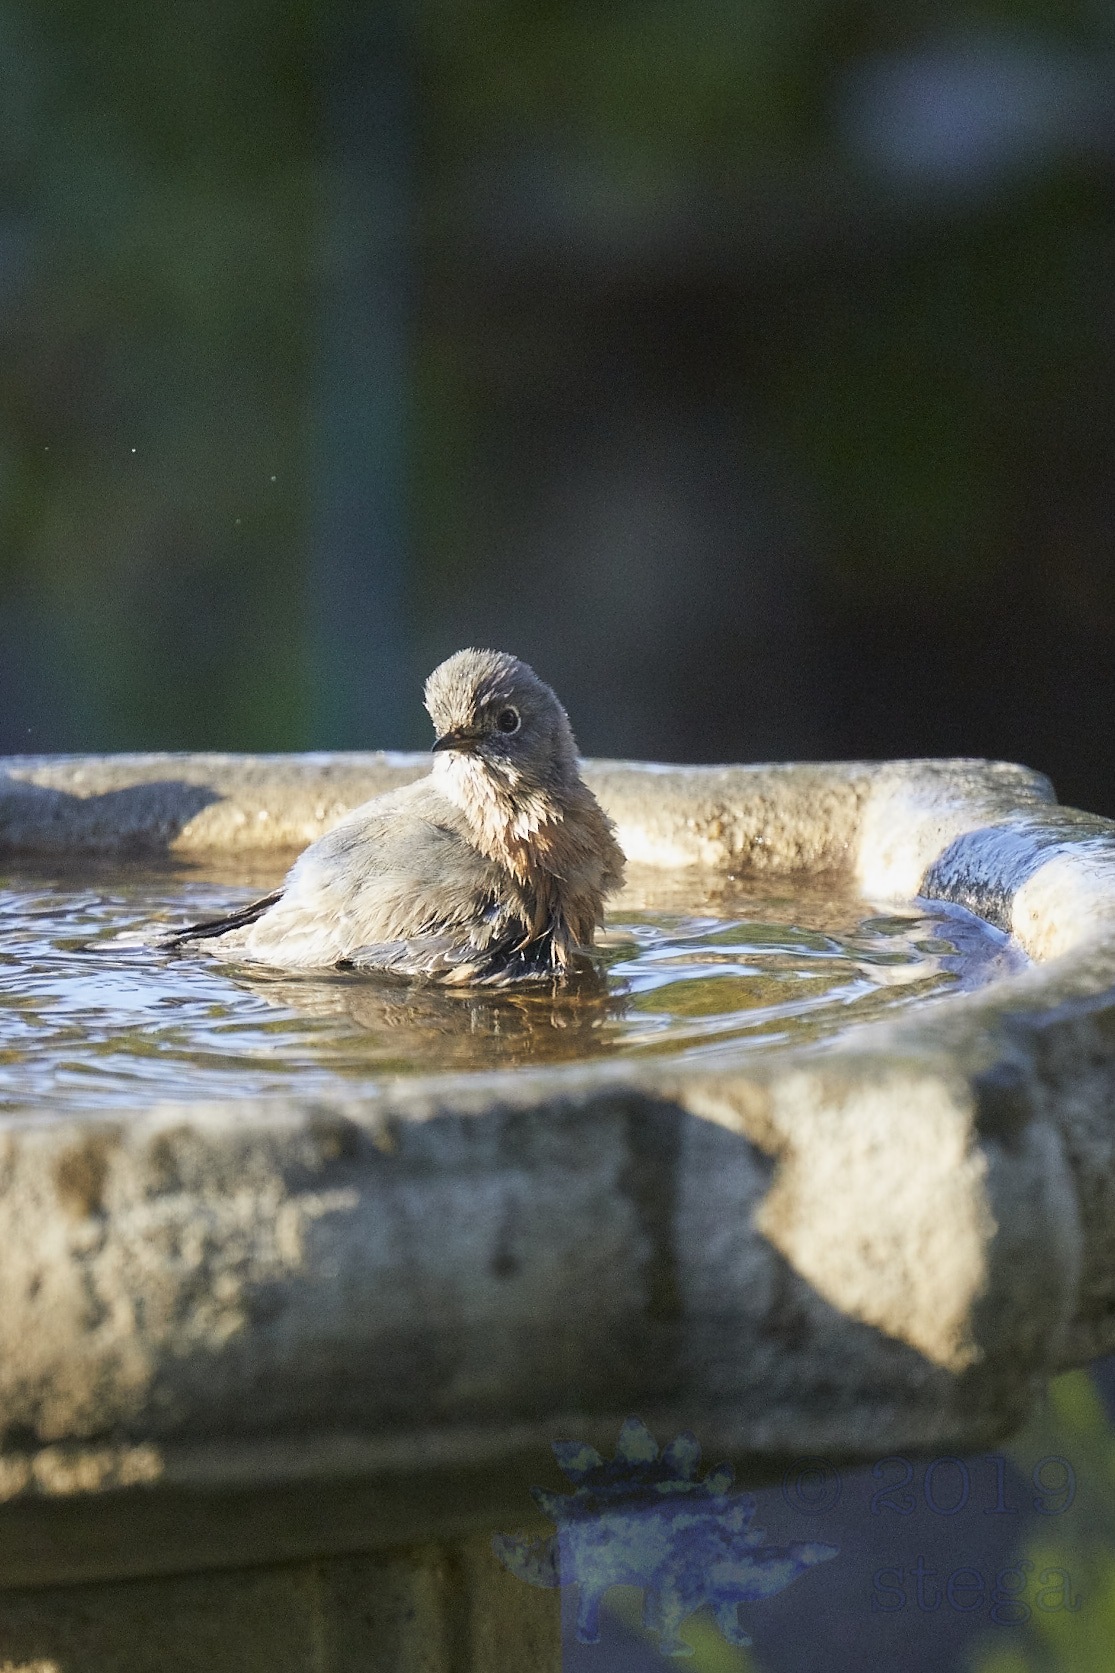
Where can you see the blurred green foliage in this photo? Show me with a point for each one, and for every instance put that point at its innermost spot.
(925, 398)
(1072, 1424)
(932, 370)
(156, 207)
(672, 84)
(710, 1652)
(162, 180)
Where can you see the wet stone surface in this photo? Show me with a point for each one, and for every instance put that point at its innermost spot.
(91, 1019)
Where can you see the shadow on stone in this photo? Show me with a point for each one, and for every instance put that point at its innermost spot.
(136, 819)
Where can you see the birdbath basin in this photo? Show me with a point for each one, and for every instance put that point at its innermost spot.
(273, 1369)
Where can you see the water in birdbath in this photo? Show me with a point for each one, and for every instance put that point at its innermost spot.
(688, 966)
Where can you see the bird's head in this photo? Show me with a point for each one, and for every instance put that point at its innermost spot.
(490, 706)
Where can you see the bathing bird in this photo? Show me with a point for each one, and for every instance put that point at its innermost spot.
(492, 869)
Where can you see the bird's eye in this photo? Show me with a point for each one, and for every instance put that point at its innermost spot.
(508, 720)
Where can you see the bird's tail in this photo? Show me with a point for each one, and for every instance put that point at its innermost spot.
(221, 926)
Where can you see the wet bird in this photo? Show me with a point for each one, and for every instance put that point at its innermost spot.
(492, 869)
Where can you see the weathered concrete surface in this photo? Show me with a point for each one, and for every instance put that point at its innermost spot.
(431, 1609)
(214, 1318)
(813, 1261)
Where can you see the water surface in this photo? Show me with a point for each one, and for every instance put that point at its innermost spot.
(90, 1021)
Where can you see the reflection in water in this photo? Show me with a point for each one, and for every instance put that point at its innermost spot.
(93, 1016)
(453, 1028)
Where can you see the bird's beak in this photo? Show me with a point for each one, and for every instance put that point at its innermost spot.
(459, 738)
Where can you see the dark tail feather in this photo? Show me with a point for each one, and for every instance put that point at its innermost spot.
(220, 926)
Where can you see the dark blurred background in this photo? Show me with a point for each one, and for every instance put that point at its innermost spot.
(746, 365)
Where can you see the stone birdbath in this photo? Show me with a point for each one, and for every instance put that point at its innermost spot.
(272, 1373)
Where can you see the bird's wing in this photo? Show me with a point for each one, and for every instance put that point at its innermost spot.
(399, 869)
(404, 869)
